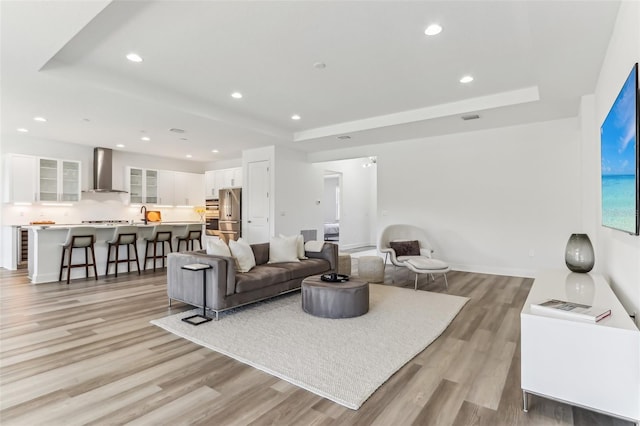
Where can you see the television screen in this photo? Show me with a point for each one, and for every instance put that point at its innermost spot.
(620, 160)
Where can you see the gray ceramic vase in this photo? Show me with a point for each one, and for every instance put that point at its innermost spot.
(579, 255)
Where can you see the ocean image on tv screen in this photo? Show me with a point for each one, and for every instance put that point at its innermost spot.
(619, 145)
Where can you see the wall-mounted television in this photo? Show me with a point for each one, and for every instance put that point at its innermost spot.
(620, 161)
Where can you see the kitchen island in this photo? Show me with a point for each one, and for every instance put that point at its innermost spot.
(45, 249)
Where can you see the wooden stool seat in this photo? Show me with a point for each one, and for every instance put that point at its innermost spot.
(192, 233)
(79, 237)
(161, 234)
(123, 236)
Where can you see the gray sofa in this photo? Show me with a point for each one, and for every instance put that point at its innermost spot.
(227, 289)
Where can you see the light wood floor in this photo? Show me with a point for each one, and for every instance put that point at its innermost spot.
(86, 354)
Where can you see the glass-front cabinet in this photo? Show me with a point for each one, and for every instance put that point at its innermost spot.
(58, 180)
(151, 186)
(143, 185)
(70, 181)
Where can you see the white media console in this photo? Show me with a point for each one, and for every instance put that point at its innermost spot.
(590, 365)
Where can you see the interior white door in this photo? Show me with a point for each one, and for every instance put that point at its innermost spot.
(257, 229)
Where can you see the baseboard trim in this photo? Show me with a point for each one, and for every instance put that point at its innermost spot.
(493, 270)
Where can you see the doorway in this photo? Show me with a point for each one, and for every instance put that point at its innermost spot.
(332, 205)
(351, 203)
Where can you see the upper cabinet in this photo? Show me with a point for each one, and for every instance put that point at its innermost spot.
(20, 179)
(188, 189)
(211, 184)
(31, 179)
(165, 187)
(142, 185)
(58, 180)
(223, 178)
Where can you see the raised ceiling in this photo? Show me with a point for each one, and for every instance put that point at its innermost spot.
(384, 80)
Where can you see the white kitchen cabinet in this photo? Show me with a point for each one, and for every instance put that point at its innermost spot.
(210, 186)
(58, 180)
(188, 189)
(223, 178)
(236, 178)
(142, 185)
(166, 188)
(20, 179)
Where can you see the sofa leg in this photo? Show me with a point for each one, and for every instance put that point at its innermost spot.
(169, 302)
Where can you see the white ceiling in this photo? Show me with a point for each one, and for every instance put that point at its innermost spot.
(384, 80)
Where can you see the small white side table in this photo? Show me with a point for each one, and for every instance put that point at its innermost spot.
(198, 319)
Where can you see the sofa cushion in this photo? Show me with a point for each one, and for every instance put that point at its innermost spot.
(243, 254)
(304, 268)
(218, 247)
(299, 245)
(261, 253)
(283, 249)
(261, 276)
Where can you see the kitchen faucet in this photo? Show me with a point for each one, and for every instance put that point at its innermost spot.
(144, 208)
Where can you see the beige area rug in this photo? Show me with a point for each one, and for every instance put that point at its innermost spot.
(344, 360)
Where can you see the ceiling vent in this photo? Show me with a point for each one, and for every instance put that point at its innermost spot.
(470, 117)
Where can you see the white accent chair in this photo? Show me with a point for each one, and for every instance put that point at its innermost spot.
(419, 264)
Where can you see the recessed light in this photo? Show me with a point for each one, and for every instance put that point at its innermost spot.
(344, 137)
(120, 145)
(466, 79)
(40, 119)
(320, 65)
(86, 120)
(295, 117)
(189, 155)
(134, 57)
(176, 130)
(215, 151)
(145, 138)
(433, 29)
(236, 95)
(22, 130)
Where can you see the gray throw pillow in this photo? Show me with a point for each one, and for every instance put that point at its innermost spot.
(406, 248)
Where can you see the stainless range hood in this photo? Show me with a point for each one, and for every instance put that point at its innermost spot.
(103, 171)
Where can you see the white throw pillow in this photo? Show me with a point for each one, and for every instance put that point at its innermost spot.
(217, 247)
(242, 253)
(299, 245)
(283, 249)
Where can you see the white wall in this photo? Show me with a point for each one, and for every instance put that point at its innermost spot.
(618, 254)
(489, 199)
(298, 193)
(500, 201)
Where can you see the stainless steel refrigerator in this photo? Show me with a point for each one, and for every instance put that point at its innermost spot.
(230, 222)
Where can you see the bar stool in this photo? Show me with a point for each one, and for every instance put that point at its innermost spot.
(123, 236)
(79, 237)
(192, 233)
(161, 234)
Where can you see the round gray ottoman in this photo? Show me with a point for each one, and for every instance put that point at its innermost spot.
(371, 269)
(335, 300)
